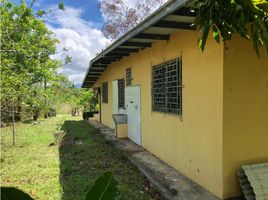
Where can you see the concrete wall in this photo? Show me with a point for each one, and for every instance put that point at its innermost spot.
(192, 143)
(245, 115)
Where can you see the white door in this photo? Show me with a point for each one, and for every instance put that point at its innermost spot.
(132, 101)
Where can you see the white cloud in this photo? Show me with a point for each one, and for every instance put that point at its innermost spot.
(82, 39)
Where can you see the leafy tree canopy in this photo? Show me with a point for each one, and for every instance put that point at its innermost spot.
(119, 17)
(29, 78)
(249, 18)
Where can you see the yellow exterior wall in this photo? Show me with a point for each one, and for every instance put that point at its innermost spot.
(191, 143)
(245, 115)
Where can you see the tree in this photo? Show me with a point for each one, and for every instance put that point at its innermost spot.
(26, 49)
(81, 99)
(87, 100)
(56, 93)
(248, 18)
(120, 17)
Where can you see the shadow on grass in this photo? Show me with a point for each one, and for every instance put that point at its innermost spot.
(88, 157)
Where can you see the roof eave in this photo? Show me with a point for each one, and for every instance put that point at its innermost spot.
(156, 16)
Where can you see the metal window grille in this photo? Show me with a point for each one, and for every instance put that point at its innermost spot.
(105, 92)
(128, 76)
(121, 93)
(166, 87)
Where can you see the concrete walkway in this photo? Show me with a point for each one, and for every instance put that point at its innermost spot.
(172, 184)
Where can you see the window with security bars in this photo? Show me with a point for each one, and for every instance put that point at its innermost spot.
(167, 87)
(121, 93)
(128, 76)
(105, 92)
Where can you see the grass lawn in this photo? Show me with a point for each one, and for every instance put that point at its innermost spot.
(65, 172)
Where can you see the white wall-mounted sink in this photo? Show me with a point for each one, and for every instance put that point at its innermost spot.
(120, 118)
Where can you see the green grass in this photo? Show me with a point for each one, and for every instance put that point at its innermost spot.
(68, 171)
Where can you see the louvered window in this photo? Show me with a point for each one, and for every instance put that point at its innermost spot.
(128, 76)
(121, 93)
(105, 92)
(167, 87)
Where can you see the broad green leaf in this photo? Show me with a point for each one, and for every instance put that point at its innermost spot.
(104, 188)
(11, 193)
(256, 43)
(204, 35)
(216, 34)
(264, 31)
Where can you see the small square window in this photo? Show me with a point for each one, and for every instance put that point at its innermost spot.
(121, 93)
(129, 76)
(105, 92)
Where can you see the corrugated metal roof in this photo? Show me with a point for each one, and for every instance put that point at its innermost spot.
(174, 15)
(254, 181)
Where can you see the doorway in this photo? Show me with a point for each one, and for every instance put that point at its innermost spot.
(132, 103)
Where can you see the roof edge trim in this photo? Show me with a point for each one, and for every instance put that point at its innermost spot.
(168, 8)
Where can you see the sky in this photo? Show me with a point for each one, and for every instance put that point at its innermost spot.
(78, 28)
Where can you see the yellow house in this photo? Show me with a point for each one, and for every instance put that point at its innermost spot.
(205, 114)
